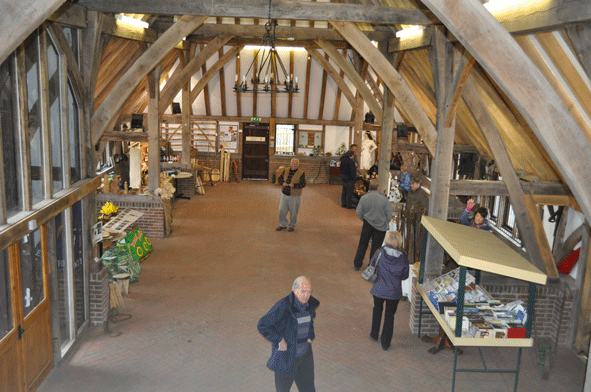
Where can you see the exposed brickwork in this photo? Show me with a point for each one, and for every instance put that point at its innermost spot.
(151, 223)
(98, 290)
(316, 168)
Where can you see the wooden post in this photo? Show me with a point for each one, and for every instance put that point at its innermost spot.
(441, 60)
(385, 145)
(186, 117)
(153, 129)
(581, 343)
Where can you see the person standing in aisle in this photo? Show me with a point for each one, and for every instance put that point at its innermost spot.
(348, 175)
(392, 268)
(293, 181)
(375, 212)
(289, 326)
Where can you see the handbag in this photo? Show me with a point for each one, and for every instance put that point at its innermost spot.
(371, 272)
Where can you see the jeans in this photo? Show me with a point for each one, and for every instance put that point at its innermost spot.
(303, 375)
(388, 329)
(367, 232)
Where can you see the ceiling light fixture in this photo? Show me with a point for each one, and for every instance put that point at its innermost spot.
(132, 21)
(270, 76)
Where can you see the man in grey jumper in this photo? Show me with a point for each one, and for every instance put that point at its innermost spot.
(375, 212)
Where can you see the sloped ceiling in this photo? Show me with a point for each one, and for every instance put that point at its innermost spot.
(556, 46)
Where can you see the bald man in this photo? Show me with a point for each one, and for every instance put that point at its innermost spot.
(293, 181)
(289, 326)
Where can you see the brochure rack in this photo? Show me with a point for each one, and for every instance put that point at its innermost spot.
(482, 251)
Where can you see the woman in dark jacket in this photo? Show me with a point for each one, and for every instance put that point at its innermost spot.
(392, 267)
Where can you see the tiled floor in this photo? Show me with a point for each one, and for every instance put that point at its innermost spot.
(194, 310)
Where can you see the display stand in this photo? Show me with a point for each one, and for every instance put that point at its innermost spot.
(482, 251)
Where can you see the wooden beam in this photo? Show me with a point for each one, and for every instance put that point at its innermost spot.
(442, 58)
(176, 118)
(422, 149)
(385, 147)
(205, 87)
(465, 65)
(206, 77)
(173, 86)
(354, 77)
(187, 111)
(23, 128)
(119, 136)
(392, 79)
(289, 10)
(307, 86)
(581, 343)
(544, 16)
(103, 118)
(342, 85)
(322, 91)
(499, 188)
(70, 14)
(20, 19)
(569, 244)
(281, 32)
(44, 123)
(498, 53)
(48, 210)
(153, 129)
(526, 213)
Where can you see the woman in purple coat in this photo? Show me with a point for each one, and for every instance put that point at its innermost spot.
(392, 267)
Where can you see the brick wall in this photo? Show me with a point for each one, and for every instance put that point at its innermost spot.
(152, 222)
(99, 296)
(316, 168)
(212, 161)
(186, 186)
(548, 306)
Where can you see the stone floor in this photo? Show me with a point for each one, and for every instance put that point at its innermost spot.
(195, 309)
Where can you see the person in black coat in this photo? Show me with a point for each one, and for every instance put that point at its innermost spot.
(348, 175)
(289, 326)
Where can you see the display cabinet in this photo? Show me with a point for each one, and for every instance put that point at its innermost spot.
(482, 251)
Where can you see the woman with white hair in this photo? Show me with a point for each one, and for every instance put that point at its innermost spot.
(392, 268)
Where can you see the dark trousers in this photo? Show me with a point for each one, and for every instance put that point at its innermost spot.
(347, 194)
(367, 232)
(303, 375)
(388, 329)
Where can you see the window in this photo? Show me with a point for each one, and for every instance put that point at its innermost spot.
(106, 160)
(72, 38)
(55, 111)
(34, 111)
(6, 323)
(285, 139)
(31, 271)
(77, 247)
(74, 132)
(10, 139)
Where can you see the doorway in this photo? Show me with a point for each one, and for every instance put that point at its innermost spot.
(255, 151)
(25, 313)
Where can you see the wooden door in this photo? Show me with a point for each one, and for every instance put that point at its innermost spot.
(26, 351)
(255, 151)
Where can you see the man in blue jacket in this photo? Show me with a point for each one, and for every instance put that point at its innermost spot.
(289, 326)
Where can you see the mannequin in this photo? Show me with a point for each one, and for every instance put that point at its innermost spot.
(367, 148)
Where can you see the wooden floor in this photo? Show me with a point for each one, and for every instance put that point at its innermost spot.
(195, 309)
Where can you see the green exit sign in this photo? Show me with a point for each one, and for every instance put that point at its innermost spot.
(255, 119)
